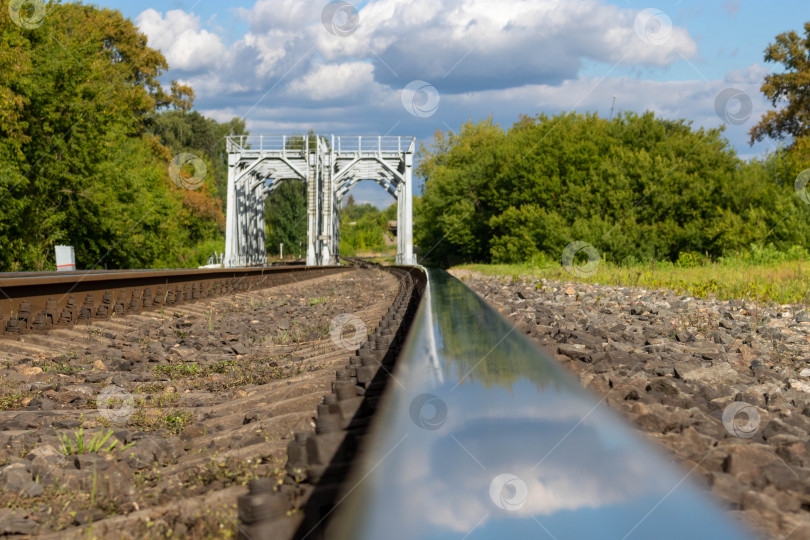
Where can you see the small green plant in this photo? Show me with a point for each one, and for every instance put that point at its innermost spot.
(689, 259)
(150, 388)
(223, 366)
(10, 401)
(178, 371)
(60, 367)
(176, 421)
(83, 445)
(282, 338)
(160, 400)
(317, 300)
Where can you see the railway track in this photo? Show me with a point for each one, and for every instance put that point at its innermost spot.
(357, 403)
(202, 396)
(39, 302)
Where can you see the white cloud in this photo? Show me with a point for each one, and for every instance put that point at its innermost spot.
(270, 49)
(268, 15)
(498, 43)
(178, 35)
(459, 45)
(335, 80)
(753, 74)
(505, 57)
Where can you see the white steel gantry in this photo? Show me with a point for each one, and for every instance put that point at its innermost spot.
(330, 167)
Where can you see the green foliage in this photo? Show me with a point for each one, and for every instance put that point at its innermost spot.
(178, 420)
(364, 229)
(636, 187)
(788, 86)
(78, 163)
(85, 445)
(178, 371)
(769, 254)
(690, 259)
(285, 217)
(191, 132)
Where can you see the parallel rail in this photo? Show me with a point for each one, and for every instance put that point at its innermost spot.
(37, 303)
(484, 436)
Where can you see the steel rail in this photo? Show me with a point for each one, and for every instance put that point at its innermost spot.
(43, 301)
(484, 436)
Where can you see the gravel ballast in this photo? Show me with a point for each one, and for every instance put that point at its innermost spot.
(722, 385)
(198, 399)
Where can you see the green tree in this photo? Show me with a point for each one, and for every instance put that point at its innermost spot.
(453, 222)
(635, 187)
(364, 230)
(286, 218)
(77, 164)
(789, 87)
(184, 131)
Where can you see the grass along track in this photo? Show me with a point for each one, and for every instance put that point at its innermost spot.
(786, 282)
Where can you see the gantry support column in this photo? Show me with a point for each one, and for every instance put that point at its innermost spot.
(258, 252)
(231, 239)
(405, 215)
(327, 205)
(312, 209)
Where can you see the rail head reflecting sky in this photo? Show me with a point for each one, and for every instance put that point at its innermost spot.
(483, 436)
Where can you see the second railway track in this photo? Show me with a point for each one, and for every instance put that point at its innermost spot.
(204, 400)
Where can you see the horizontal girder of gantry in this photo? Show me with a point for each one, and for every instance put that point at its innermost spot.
(330, 167)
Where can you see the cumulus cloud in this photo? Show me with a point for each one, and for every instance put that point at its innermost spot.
(293, 15)
(505, 57)
(491, 44)
(178, 35)
(330, 81)
(753, 74)
(459, 46)
(463, 45)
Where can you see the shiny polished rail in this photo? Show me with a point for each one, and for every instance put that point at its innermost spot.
(35, 303)
(484, 436)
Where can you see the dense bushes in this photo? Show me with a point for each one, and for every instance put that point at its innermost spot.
(637, 188)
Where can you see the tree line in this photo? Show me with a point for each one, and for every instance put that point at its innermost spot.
(87, 133)
(636, 187)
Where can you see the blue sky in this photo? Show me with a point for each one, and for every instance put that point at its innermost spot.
(276, 63)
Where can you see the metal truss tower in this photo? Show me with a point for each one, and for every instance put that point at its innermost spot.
(330, 167)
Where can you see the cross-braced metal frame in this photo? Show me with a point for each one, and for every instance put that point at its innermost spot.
(330, 167)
